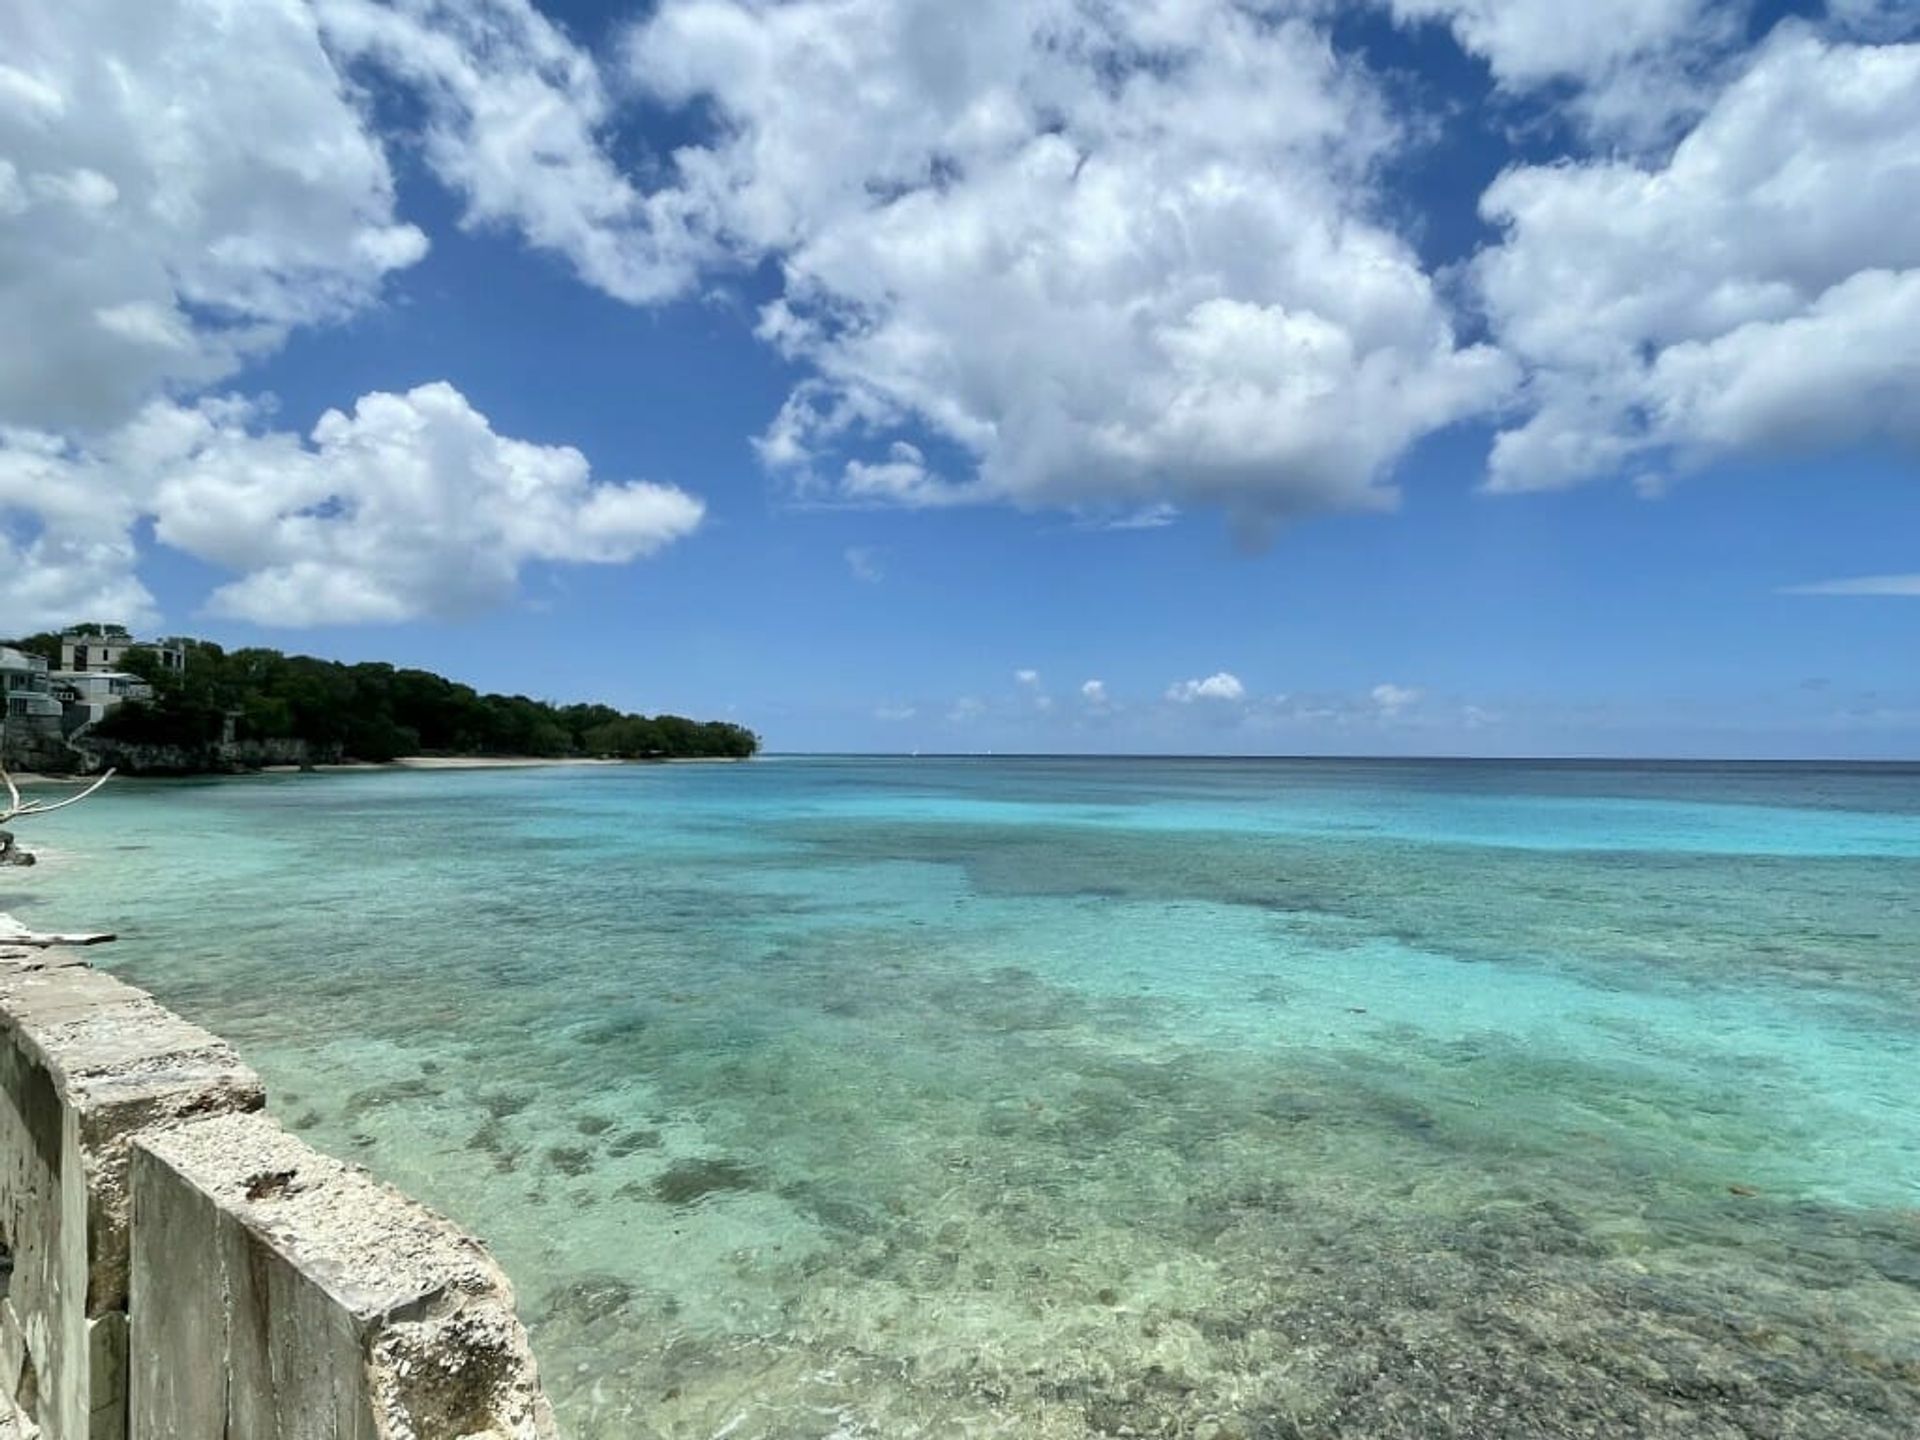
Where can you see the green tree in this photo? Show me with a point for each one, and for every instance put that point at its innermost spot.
(374, 711)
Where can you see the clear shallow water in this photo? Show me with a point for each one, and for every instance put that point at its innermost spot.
(1071, 1098)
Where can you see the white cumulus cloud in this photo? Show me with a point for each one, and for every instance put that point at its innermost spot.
(1118, 259)
(515, 122)
(1628, 67)
(1758, 290)
(1220, 686)
(1120, 255)
(74, 558)
(901, 479)
(1125, 258)
(1094, 692)
(409, 506)
(182, 182)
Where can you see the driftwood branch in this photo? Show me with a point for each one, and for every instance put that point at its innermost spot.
(19, 809)
(12, 932)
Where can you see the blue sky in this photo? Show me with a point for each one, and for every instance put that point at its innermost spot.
(1181, 375)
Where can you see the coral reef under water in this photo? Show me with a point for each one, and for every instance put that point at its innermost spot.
(847, 1099)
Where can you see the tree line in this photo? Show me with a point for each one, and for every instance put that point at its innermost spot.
(379, 712)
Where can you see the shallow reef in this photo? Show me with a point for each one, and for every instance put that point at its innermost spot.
(1206, 1101)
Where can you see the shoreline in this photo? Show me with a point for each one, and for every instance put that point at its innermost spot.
(446, 762)
(29, 778)
(497, 762)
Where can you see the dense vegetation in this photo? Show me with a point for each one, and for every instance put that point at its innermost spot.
(378, 712)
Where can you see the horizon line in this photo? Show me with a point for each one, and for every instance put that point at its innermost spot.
(1341, 757)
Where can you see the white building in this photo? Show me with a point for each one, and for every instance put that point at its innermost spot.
(26, 686)
(89, 694)
(104, 653)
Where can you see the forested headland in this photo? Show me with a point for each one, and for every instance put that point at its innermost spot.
(378, 712)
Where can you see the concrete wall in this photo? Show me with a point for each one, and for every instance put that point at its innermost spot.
(86, 1064)
(183, 1268)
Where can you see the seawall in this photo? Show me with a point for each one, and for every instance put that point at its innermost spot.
(174, 1265)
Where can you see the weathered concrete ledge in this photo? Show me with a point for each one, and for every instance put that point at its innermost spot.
(250, 1247)
(86, 1064)
(265, 1289)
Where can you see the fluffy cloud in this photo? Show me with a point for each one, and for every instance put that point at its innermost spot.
(1117, 255)
(901, 479)
(182, 182)
(1221, 686)
(1094, 692)
(1118, 259)
(1760, 289)
(409, 506)
(1628, 67)
(1530, 42)
(75, 560)
(53, 580)
(1121, 258)
(515, 115)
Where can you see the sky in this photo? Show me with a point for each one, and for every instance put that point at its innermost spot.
(1498, 377)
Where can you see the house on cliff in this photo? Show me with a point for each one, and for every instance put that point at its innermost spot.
(43, 709)
(103, 649)
(32, 717)
(92, 678)
(86, 695)
(26, 686)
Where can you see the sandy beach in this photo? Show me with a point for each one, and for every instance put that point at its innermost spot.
(494, 762)
(500, 762)
(422, 762)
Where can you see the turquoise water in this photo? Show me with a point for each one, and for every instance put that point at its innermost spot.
(1067, 1098)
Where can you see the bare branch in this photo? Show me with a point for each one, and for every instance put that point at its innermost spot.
(18, 809)
(12, 932)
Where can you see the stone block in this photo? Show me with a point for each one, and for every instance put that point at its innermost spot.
(86, 1064)
(278, 1294)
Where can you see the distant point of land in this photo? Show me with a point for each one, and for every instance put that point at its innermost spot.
(200, 708)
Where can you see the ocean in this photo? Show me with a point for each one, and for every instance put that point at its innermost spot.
(853, 1097)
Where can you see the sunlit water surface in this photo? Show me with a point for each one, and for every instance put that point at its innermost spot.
(819, 1097)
